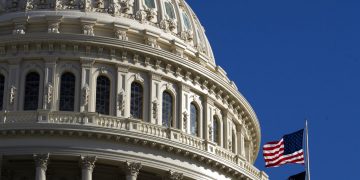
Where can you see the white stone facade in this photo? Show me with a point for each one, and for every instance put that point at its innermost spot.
(158, 44)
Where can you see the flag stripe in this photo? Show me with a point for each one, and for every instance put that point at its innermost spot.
(286, 150)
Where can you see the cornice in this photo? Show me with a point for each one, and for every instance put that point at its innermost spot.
(237, 170)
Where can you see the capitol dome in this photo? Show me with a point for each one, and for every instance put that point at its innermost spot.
(117, 89)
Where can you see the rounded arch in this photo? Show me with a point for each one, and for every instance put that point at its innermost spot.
(31, 67)
(68, 67)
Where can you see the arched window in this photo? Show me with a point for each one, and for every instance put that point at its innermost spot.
(150, 3)
(169, 8)
(186, 21)
(67, 92)
(194, 120)
(32, 83)
(136, 104)
(167, 109)
(103, 95)
(216, 130)
(2, 86)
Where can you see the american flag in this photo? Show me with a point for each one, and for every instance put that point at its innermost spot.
(288, 150)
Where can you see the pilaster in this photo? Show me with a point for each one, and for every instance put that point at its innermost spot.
(132, 170)
(41, 162)
(13, 85)
(155, 81)
(86, 84)
(184, 108)
(208, 118)
(49, 81)
(121, 90)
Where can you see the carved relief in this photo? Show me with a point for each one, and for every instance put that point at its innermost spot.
(121, 101)
(185, 120)
(172, 175)
(49, 93)
(30, 5)
(41, 160)
(88, 29)
(187, 35)
(230, 144)
(88, 162)
(138, 78)
(210, 131)
(151, 41)
(54, 27)
(141, 16)
(19, 28)
(69, 4)
(150, 14)
(13, 92)
(127, 6)
(132, 168)
(155, 104)
(121, 34)
(86, 94)
(168, 24)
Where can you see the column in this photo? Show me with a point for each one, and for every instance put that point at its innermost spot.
(120, 90)
(172, 175)
(41, 162)
(87, 167)
(86, 83)
(155, 81)
(132, 170)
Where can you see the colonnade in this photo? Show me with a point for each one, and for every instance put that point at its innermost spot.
(87, 164)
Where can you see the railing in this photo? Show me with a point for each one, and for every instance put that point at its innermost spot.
(128, 124)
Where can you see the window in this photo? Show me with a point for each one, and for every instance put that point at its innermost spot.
(103, 95)
(169, 10)
(194, 119)
(167, 109)
(67, 92)
(216, 131)
(186, 21)
(136, 104)
(150, 3)
(32, 83)
(2, 86)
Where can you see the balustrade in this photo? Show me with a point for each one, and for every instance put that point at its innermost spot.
(145, 128)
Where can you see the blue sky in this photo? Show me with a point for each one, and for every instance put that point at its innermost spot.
(295, 59)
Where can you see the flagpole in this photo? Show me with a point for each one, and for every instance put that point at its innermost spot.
(307, 151)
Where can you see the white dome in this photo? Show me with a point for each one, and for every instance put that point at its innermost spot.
(164, 21)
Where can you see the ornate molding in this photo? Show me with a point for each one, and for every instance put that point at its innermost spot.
(132, 168)
(172, 175)
(41, 160)
(88, 162)
(12, 96)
